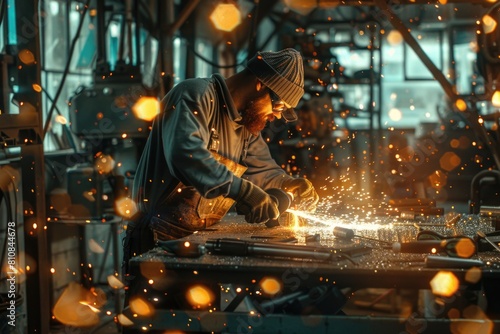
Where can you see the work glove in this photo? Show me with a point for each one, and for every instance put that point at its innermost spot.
(304, 193)
(255, 203)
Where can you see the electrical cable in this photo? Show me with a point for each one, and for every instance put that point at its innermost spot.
(211, 63)
(66, 128)
(67, 67)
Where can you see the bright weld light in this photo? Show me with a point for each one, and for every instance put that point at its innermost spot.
(336, 222)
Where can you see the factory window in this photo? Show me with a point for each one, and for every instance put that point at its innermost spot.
(121, 49)
(411, 96)
(59, 27)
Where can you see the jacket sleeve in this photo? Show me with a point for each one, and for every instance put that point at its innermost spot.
(262, 169)
(186, 134)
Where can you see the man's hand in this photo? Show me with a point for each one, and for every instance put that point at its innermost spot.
(255, 204)
(303, 191)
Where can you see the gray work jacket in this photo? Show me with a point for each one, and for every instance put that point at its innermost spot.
(177, 147)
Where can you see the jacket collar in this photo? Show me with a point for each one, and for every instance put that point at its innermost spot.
(226, 98)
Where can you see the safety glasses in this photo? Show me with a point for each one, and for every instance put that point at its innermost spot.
(277, 103)
(281, 106)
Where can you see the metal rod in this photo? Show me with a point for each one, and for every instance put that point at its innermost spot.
(238, 247)
(183, 16)
(482, 235)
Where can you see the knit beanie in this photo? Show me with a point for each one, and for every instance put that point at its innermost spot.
(282, 72)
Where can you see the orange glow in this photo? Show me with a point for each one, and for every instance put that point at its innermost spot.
(270, 285)
(455, 143)
(226, 17)
(394, 37)
(489, 24)
(495, 99)
(146, 108)
(104, 163)
(37, 88)
(115, 283)
(26, 57)
(461, 105)
(61, 119)
(454, 313)
(465, 248)
(141, 307)
(445, 284)
(151, 269)
(473, 275)
(305, 7)
(124, 321)
(95, 247)
(199, 296)
(449, 161)
(70, 311)
(438, 179)
(125, 207)
(478, 322)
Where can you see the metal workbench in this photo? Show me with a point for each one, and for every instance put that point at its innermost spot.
(233, 279)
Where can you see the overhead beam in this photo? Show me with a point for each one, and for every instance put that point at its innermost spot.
(183, 16)
(388, 13)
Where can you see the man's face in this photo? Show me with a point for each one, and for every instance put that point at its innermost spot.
(259, 110)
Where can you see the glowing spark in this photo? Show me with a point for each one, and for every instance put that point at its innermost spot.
(327, 221)
(96, 310)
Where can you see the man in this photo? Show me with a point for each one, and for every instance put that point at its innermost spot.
(205, 152)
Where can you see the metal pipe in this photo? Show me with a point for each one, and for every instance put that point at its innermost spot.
(183, 15)
(475, 188)
(101, 43)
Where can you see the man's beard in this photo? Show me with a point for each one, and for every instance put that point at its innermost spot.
(251, 118)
